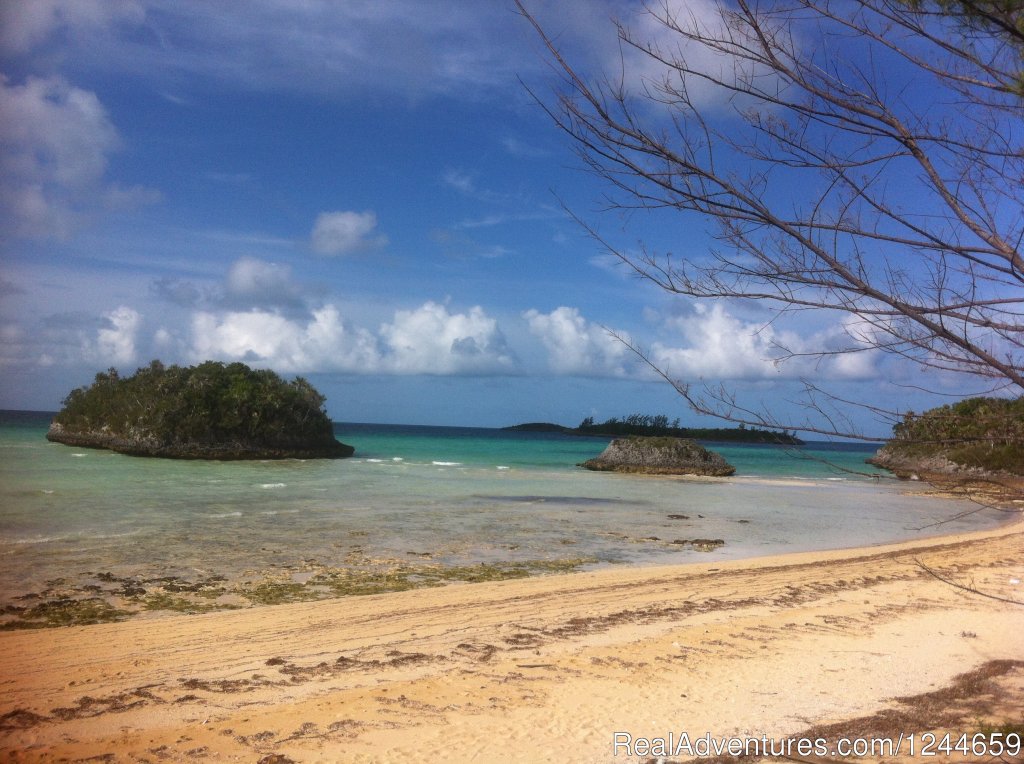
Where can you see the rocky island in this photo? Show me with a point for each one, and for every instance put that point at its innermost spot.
(977, 438)
(659, 456)
(209, 411)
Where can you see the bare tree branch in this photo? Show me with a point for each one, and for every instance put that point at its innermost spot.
(863, 158)
(969, 589)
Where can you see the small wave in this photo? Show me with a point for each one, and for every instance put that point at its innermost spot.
(225, 514)
(447, 464)
(111, 535)
(374, 461)
(77, 537)
(44, 490)
(502, 467)
(79, 454)
(273, 485)
(397, 459)
(36, 540)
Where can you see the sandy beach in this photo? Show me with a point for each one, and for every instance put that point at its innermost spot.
(574, 668)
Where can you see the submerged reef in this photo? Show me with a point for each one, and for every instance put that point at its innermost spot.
(103, 597)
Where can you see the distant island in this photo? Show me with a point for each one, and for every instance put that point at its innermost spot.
(977, 437)
(209, 411)
(647, 425)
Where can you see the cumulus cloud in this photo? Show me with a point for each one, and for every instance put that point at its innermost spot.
(718, 345)
(707, 343)
(251, 281)
(57, 140)
(322, 343)
(72, 338)
(576, 346)
(345, 232)
(427, 340)
(431, 340)
(116, 341)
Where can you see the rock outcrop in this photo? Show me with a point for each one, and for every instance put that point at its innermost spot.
(660, 456)
(936, 466)
(906, 467)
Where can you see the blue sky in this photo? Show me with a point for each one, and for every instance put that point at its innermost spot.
(359, 192)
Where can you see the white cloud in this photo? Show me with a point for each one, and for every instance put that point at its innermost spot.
(346, 232)
(26, 23)
(576, 346)
(466, 183)
(115, 343)
(250, 276)
(407, 47)
(322, 343)
(653, 27)
(427, 340)
(254, 282)
(460, 180)
(430, 340)
(523, 149)
(57, 139)
(707, 343)
(717, 345)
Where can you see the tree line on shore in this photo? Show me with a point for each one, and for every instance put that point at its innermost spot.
(659, 425)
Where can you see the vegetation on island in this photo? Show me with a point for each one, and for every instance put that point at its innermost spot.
(213, 410)
(978, 433)
(659, 425)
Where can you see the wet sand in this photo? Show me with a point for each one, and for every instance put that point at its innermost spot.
(542, 669)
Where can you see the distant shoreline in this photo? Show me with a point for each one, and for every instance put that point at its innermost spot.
(705, 434)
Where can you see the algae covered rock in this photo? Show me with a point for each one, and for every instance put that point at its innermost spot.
(209, 411)
(660, 456)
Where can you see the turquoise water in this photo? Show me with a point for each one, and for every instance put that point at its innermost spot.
(448, 495)
(488, 448)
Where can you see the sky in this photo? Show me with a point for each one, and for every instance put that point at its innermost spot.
(363, 193)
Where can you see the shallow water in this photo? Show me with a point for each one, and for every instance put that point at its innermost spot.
(450, 496)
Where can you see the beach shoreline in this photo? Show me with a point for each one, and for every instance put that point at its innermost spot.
(543, 668)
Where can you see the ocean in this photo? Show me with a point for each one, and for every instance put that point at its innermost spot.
(415, 506)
